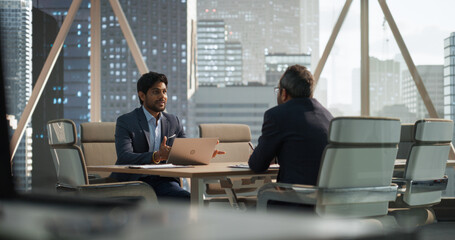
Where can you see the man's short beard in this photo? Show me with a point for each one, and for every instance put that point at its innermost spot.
(156, 109)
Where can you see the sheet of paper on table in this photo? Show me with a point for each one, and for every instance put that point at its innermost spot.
(245, 165)
(155, 166)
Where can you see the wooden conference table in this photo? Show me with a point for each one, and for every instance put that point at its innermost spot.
(198, 174)
(213, 171)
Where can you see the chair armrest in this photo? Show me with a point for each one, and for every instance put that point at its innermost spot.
(420, 186)
(120, 189)
(308, 194)
(284, 192)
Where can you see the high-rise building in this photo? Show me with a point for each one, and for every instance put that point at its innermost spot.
(264, 27)
(165, 33)
(234, 62)
(218, 61)
(50, 105)
(211, 52)
(433, 79)
(277, 63)
(384, 84)
(216, 105)
(16, 30)
(76, 58)
(449, 77)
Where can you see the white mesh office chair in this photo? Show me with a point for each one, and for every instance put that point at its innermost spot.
(71, 171)
(356, 171)
(423, 179)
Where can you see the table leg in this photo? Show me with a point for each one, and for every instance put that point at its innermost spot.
(197, 192)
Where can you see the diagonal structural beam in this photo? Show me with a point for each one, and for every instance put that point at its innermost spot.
(95, 61)
(43, 77)
(128, 34)
(411, 66)
(329, 46)
(407, 58)
(364, 60)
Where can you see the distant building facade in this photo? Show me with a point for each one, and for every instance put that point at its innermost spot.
(166, 35)
(264, 27)
(218, 61)
(449, 77)
(384, 84)
(216, 105)
(16, 30)
(433, 79)
(276, 64)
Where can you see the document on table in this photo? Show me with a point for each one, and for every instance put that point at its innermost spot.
(158, 166)
(244, 165)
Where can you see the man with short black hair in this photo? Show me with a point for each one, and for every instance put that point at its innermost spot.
(295, 131)
(144, 136)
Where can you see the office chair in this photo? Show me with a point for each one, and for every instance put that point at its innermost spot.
(71, 169)
(423, 180)
(98, 144)
(235, 140)
(356, 171)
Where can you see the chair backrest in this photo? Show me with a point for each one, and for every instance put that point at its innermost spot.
(406, 140)
(98, 144)
(427, 158)
(235, 140)
(361, 153)
(68, 159)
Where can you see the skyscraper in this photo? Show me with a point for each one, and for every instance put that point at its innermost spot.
(50, 105)
(16, 30)
(433, 79)
(218, 61)
(76, 58)
(165, 33)
(276, 64)
(449, 77)
(216, 105)
(211, 51)
(384, 84)
(264, 27)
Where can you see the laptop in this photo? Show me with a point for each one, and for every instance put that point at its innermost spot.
(192, 151)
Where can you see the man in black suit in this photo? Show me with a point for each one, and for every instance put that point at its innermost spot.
(295, 131)
(145, 136)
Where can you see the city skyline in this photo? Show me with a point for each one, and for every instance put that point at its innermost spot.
(424, 38)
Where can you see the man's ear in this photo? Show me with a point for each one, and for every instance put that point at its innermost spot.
(141, 95)
(284, 95)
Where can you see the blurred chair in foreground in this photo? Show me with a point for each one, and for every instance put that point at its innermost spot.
(72, 174)
(356, 171)
(423, 180)
(235, 140)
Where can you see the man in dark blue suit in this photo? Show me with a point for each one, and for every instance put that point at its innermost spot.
(295, 131)
(145, 136)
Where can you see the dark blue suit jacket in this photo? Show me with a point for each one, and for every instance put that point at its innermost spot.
(132, 139)
(296, 133)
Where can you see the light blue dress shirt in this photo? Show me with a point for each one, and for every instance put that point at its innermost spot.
(155, 130)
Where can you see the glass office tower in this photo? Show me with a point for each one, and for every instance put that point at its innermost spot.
(16, 34)
(263, 27)
(165, 33)
(218, 61)
(449, 77)
(432, 77)
(276, 64)
(76, 58)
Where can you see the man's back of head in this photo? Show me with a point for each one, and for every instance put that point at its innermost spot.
(298, 82)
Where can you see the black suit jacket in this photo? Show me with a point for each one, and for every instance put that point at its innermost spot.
(132, 139)
(296, 133)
